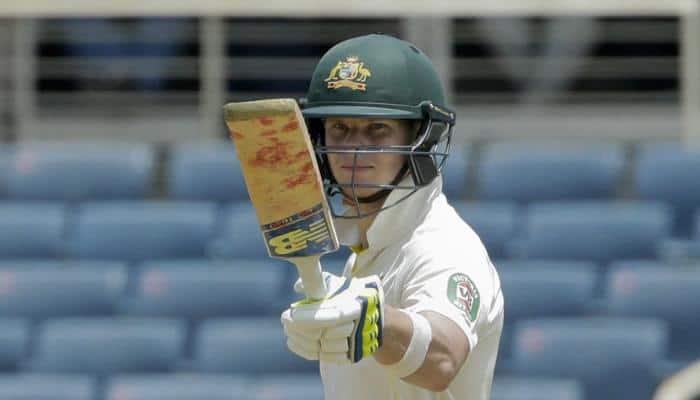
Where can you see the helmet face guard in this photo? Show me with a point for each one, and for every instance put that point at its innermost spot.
(425, 157)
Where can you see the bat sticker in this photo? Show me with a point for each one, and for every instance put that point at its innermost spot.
(303, 234)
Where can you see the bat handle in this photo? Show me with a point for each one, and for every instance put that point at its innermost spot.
(312, 277)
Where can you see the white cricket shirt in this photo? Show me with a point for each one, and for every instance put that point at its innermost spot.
(428, 258)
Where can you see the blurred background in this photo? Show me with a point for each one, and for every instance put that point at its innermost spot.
(131, 265)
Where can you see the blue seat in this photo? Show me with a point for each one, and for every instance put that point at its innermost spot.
(513, 388)
(495, 223)
(524, 265)
(79, 171)
(544, 291)
(679, 251)
(240, 235)
(32, 230)
(682, 250)
(226, 346)
(49, 264)
(206, 171)
(612, 358)
(5, 162)
(139, 231)
(667, 172)
(527, 171)
(287, 387)
(176, 386)
(637, 264)
(47, 387)
(207, 289)
(40, 292)
(334, 265)
(671, 294)
(14, 342)
(456, 173)
(103, 346)
(593, 231)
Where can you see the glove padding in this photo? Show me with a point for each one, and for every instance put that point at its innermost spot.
(344, 327)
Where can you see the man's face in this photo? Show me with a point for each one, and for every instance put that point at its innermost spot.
(373, 168)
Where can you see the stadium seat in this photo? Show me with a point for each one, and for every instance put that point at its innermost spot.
(49, 264)
(140, 231)
(32, 231)
(679, 251)
(103, 346)
(240, 235)
(544, 291)
(206, 289)
(528, 171)
(47, 387)
(80, 171)
(334, 265)
(671, 294)
(176, 386)
(612, 358)
(636, 264)
(511, 388)
(205, 171)
(14, 342)
(593, 231)
(287, 387)
(5, 162)
(667, 172)
(39, 292)
(495, 223)
(455, 174)
(226, 346)
(524, 265)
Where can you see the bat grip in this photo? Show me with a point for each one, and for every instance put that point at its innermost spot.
(309, 269)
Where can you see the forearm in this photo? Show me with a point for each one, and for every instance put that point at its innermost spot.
(440, 364)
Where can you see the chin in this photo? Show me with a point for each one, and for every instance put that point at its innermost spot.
(360, 193)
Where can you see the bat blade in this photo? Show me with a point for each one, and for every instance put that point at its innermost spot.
(284, 184)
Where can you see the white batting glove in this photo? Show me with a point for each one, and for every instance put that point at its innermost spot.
(344, 327)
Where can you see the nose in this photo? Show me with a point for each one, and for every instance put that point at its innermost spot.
(356, 136)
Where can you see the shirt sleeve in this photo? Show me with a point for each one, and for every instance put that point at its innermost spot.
(457, 292)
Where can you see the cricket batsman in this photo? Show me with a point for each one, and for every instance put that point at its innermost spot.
(418, 311)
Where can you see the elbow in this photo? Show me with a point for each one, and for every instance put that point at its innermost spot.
(445, 372)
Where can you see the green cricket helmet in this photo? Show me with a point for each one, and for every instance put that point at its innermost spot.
(379, 76)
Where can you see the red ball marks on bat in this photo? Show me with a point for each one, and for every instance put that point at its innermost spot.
(295, 181)
(269, 132)
(308, 167)
(301, 155)
(271, 156)
(266, 121)
(236, 135)
(290, 126)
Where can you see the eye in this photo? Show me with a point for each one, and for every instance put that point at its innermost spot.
(339, 127)
(377, 126)
(337, 131)
(378, 130)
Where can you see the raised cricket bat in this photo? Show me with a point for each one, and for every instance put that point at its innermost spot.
(284, 184)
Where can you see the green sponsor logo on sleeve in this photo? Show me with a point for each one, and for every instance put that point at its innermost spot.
(464, 295)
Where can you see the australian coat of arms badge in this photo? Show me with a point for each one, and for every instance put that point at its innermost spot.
(350, 73)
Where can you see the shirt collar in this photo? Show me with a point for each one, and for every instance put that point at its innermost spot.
(393, 222)
(402, 219)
